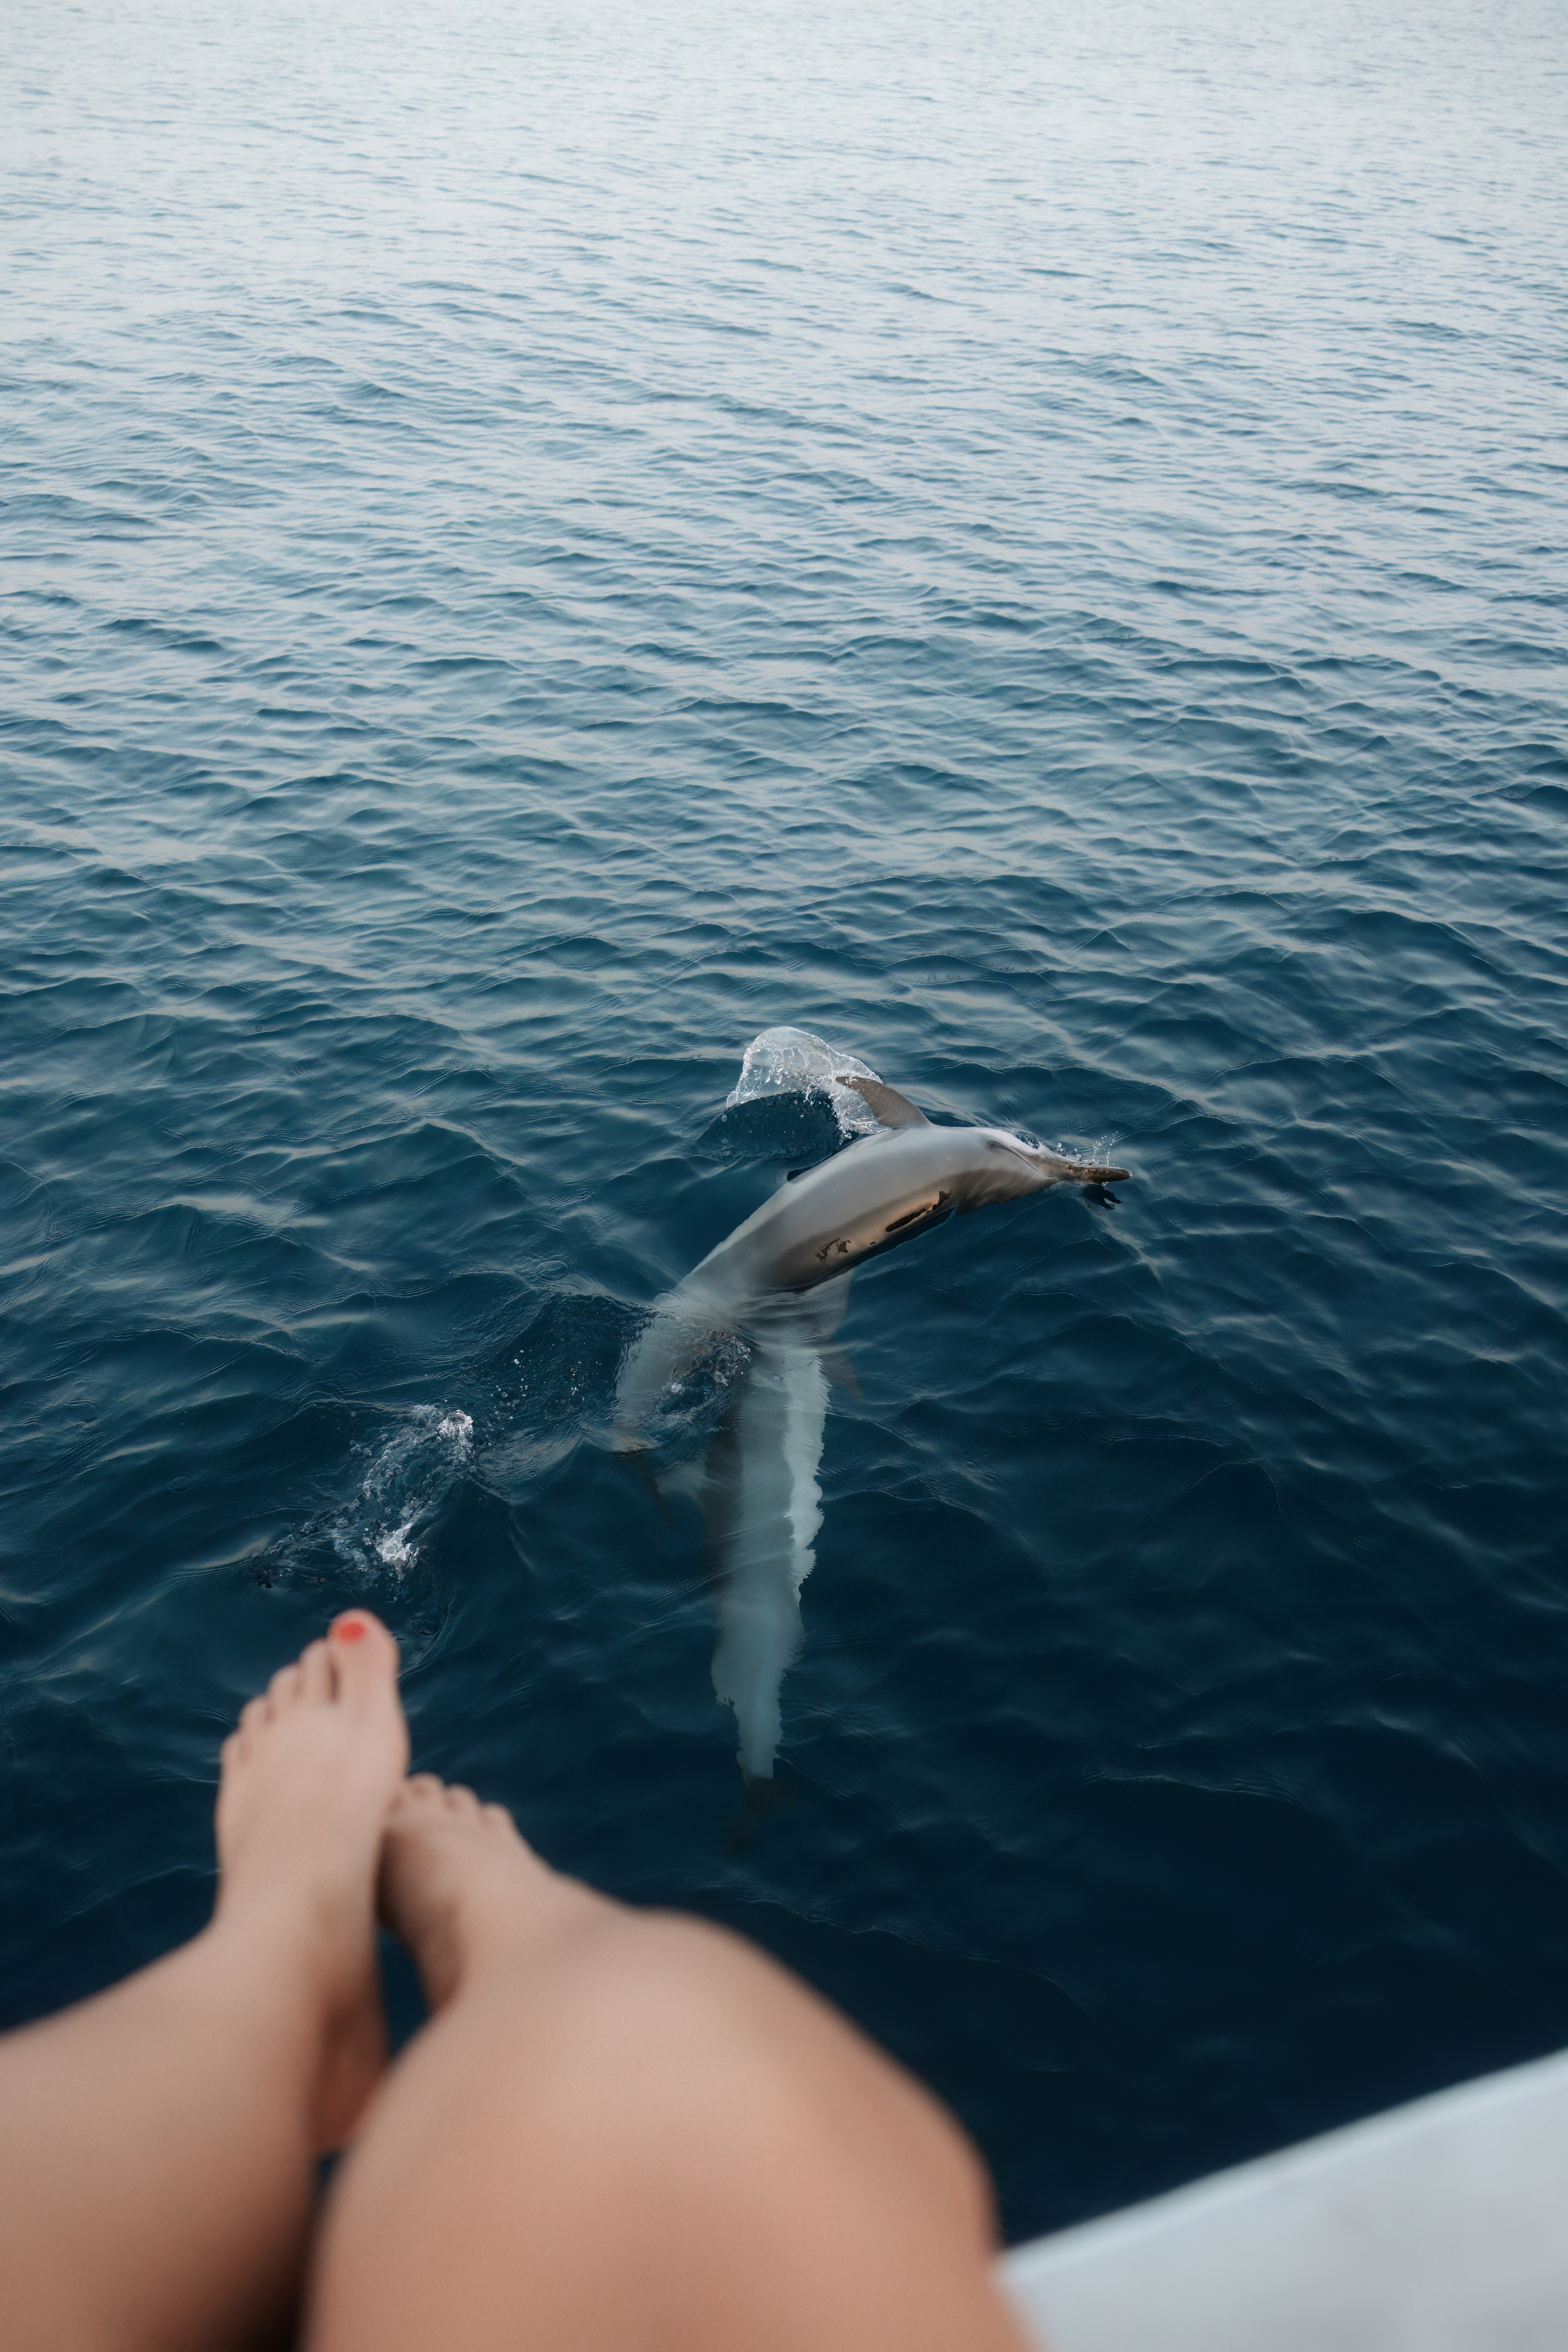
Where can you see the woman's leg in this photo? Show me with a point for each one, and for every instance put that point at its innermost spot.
(628, 2132)
(156, 2142)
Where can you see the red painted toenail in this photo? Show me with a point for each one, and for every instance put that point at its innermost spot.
(350, 1629)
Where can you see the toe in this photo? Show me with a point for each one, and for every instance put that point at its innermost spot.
(363, 1657)
(252, 1716)
(283, 1690)
(316, 1673)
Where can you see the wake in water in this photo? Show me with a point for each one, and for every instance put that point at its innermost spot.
(381, 1529)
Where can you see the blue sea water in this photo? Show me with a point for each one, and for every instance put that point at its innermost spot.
(543, 540)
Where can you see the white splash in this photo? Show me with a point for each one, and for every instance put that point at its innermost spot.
(407, 1478)
(796, 1061)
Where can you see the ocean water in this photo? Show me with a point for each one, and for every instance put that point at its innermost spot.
(543, 542)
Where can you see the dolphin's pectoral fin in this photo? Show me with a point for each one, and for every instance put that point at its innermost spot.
(889, 1108)
(934, 1210)
(1100, 1197)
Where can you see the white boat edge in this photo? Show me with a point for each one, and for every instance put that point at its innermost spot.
(1439, 2227)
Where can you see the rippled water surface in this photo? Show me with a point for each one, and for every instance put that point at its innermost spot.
(1028, 540)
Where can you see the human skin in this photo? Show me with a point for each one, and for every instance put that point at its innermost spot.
(157, 2143)
(625, 2129)
(618, 2129)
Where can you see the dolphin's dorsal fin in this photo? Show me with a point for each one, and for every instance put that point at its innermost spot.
(889, 1107)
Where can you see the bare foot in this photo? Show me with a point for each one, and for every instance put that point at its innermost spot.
(308, 1777)
(465, 1893)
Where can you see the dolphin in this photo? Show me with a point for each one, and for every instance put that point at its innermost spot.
(766, 1285)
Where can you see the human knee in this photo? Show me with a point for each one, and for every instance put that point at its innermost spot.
(685, 2047)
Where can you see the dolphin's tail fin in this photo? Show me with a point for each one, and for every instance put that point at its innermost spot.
(762, 1797)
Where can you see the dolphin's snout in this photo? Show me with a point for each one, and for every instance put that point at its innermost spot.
(1078, 1172)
